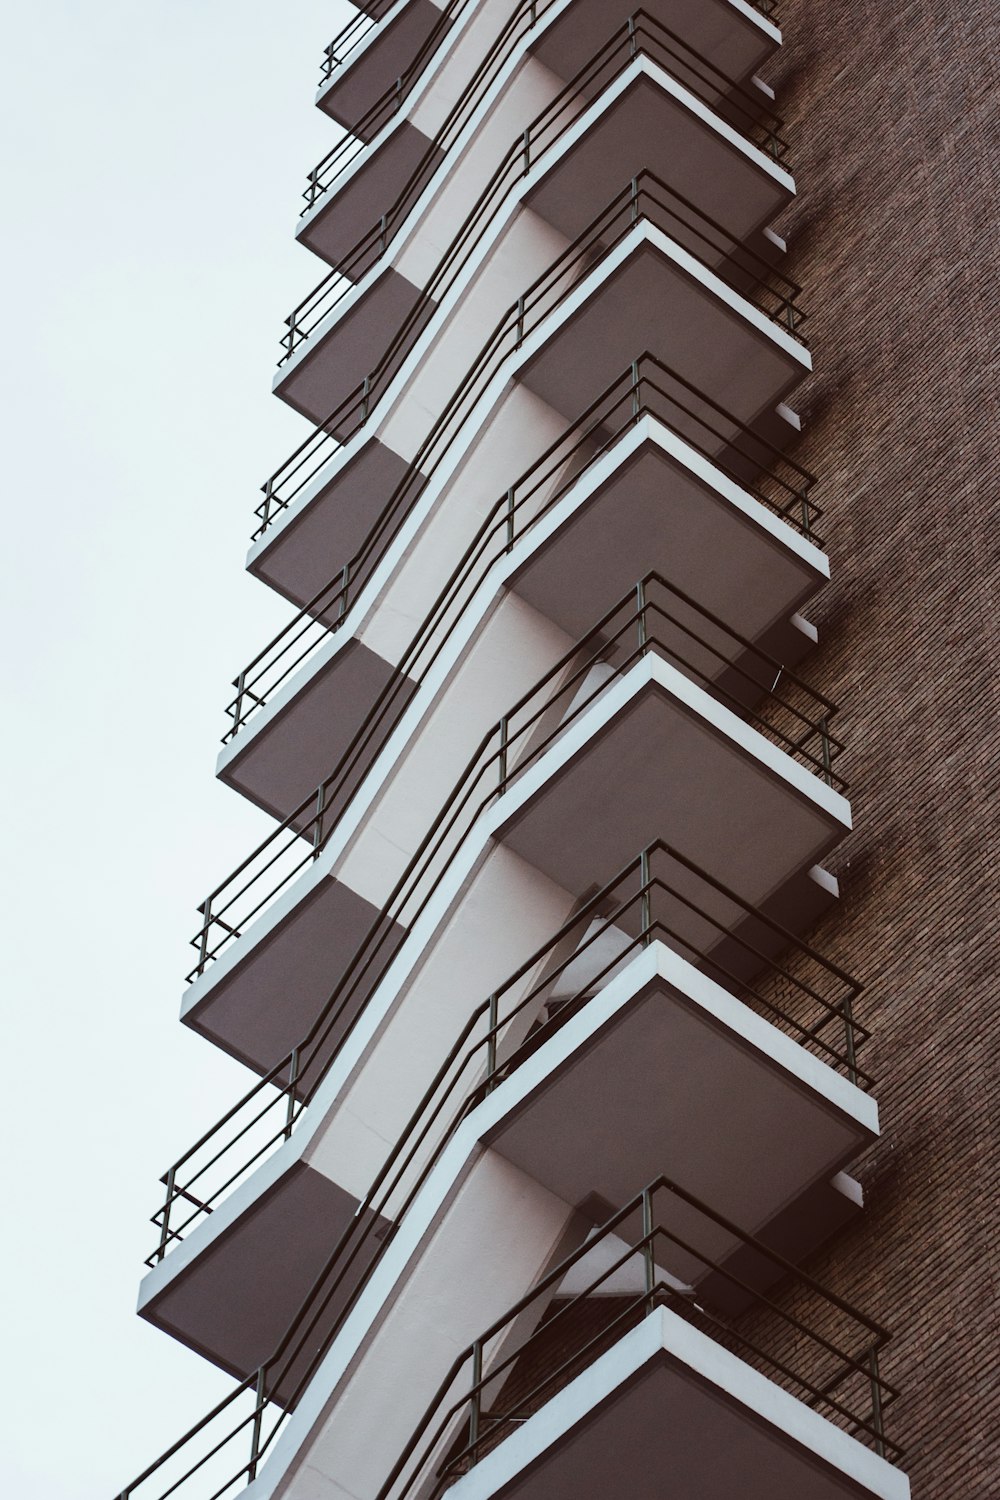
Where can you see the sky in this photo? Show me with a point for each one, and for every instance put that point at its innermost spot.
(154, 151)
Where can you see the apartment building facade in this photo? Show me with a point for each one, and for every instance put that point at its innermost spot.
(579, 1160)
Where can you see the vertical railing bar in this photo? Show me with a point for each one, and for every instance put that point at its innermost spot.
(258, 1415)
(293, 1074)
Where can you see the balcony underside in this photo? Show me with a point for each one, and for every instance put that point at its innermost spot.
(358, 85)
(639, 125)
(286, 755)
(366, 192)
(666, 1411)
(652, 511)
(235, 1299)
(298, 555)
(658, 769)
(651, 299)
(720, 32)
(260, 1003)
(328, 369)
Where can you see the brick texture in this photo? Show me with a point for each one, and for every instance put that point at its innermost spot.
(892, 113)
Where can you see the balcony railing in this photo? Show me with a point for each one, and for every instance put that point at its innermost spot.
(351, 36)
(642, 35)
(750, 110)
(826, 1355)
(789, 714)
(801, 993)
(646, 200)
(650, 900)
(830, 1362)
(648, 389)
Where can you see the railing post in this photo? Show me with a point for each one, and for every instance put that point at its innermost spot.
(824, 730)
(318, 819)
(365, 395)
(258, 1414)
(510, 518)
(345, 580)
(636, 401)
(266, 517)
(526, 152)
(648, 1258)
(873, 1376)
(848, 1013)
(476, 1407)
(239, 683)
(805, 517)
(645, 900)
(491, 1043)
(631, 36)
(634, 200)
(293, 1074)
(640, 614)
(520, 323)
(502, 757)
(206, 910)
(383, 231)
(167, 1204)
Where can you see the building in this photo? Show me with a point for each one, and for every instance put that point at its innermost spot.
(579, 1162)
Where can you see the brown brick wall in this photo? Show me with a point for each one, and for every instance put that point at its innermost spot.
(891, 107)
(889, 111)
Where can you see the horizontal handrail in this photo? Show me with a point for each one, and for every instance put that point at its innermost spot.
(750, 111)
(644, 902)
(831, 1363)
(642, 35)
(647, 389)
(645, 200)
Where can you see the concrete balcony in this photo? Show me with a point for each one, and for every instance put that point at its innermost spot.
(551, 357)
(367, 62)
(690, 690)
(560, 171)
(667, 1400)
(482, 80)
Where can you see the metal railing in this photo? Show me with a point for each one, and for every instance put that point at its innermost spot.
(803, 994)
(795, 717)
(351, 36)
(647, 389)
(641, 35)
(830, 1362)
(649, 900)
(644, 200)
(750, 108)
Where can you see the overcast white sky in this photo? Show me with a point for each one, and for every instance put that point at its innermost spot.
(154, 153)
